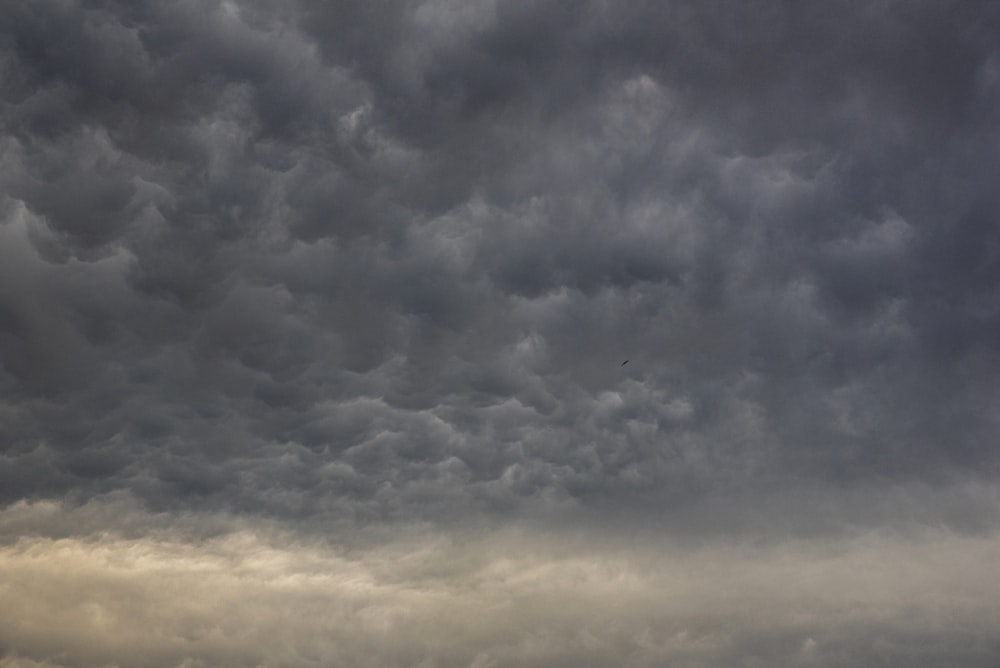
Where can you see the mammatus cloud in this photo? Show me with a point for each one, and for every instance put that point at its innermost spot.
(347, 286)
(257, 596)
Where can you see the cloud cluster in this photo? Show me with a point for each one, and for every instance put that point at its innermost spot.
(411, 245)
(364, 265)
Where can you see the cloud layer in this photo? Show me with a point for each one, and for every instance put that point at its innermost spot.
(508, 599)
(360, 267)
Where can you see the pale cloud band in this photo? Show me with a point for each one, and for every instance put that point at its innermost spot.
(245, 595)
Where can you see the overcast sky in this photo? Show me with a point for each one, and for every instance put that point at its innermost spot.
(313, 316)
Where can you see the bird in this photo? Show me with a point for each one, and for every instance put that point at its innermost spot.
(625, 362)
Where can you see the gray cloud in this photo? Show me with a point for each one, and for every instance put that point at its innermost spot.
(352, 265)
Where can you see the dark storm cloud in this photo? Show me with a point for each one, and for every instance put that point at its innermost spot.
(381, 262)
(227, 220)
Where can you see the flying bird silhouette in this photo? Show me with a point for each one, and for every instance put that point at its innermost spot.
(625, 362)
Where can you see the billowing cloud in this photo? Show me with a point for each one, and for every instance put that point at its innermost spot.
(361, 267)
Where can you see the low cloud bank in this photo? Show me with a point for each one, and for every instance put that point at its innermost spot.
(241, 595)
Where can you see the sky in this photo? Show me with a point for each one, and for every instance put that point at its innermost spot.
(313, 318)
